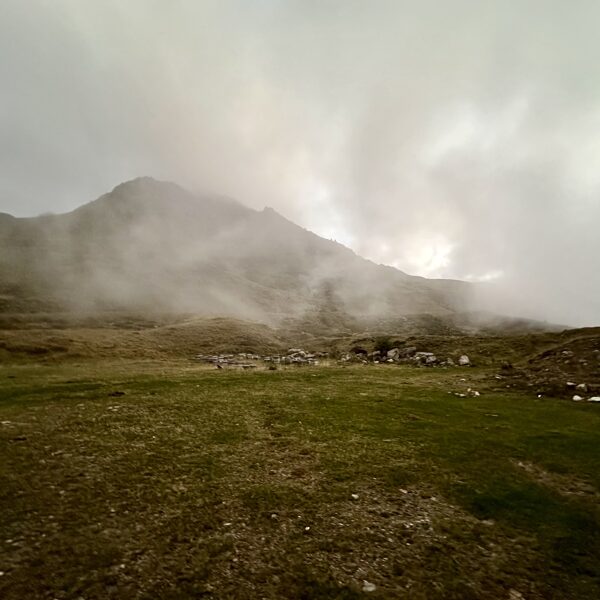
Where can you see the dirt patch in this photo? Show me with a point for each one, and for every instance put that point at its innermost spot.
(565, 485)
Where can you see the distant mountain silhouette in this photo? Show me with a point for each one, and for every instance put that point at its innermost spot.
(151, 245)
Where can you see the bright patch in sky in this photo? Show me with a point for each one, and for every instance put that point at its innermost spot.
(424, 255)
(489, 276)
(431, 258)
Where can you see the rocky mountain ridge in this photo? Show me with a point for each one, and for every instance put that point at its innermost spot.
(153, 246)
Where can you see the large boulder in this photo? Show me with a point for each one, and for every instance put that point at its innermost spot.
(407, 352)
(425, 358)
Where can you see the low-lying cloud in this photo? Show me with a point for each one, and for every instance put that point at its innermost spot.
(455, 139)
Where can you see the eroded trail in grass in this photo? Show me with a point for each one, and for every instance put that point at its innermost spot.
(292, 484)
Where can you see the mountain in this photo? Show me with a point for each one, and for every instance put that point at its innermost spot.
(153, 246)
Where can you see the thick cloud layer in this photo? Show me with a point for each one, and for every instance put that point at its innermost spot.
(450, 139)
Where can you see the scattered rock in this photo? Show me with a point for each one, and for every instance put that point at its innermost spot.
(577, 398)
(594, 399)
(354, 496)
(582, 387)
(464, 361)
(294, 356)
(368, 586)
(425, 358)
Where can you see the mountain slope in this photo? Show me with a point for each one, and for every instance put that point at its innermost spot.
(150, 245)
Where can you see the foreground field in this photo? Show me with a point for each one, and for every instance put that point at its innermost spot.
(164, 480)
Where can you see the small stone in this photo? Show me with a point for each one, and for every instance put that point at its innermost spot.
(582, 387)
(464, 361)
(577, 398)
(354, 496)
(368, 586)
(594, 399)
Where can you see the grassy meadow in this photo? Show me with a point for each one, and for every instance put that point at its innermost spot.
(157, 480)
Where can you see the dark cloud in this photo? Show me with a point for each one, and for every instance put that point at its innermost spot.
(451, 139)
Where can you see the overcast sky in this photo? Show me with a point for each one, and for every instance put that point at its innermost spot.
(450, 138)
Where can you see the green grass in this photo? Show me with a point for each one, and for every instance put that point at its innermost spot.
(202, 483)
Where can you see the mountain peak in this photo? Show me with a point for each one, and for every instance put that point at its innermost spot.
(145, 183)
(151, 243)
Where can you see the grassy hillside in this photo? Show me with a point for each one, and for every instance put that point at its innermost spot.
(165, 480)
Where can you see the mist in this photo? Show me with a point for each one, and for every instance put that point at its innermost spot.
(449, 140)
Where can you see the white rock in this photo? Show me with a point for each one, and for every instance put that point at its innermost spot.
(464, 360)
(368, 586)
(571, 384)
(577, 398)
(354, 496)
(594, 399)
(582, 387)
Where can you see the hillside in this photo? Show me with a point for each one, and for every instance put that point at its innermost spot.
(152, 246)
